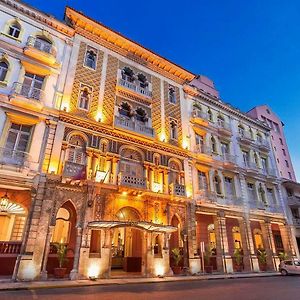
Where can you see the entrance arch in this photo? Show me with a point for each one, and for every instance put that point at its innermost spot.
(64, 232)
(127, 243)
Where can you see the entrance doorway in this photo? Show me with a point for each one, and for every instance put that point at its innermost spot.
(127, 245)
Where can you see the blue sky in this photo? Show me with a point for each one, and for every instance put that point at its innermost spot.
(251, 49)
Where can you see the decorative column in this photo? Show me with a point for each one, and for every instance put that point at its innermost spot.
(165, 181)
(74, 272)
(245, 245)
(44, 273)
(115, 169)
(151, 177)
(269, 244)
(286, 241)
(108, 169)
(89, 164)
(227, 259)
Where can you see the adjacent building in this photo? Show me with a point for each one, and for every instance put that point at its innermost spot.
(121, 156)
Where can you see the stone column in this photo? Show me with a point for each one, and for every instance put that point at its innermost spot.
(227, 259)
(108, 169)
(74, 272)
(44, 273)
(115, 169)
(219, 250)
(165, 182)
(245, 245)
(286, 241)
(269, 244)
(151, 178)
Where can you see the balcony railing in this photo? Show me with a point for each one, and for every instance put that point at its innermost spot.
(199, 114)
(136, 126)
(133, 87)
(179, 189)
(226, 157)
(27, 91)
(257, 205)
(268, 171)
(74, 170)
(250, 165)
(230, 200)
(203, 149)
(14, 158)
(10, 247)
(41, 45)
(245, 136)
(133, 181)
(223, 125)
(274, 208)
(262, 143)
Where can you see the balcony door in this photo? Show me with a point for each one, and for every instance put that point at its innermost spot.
(32, 86)
(17, 144)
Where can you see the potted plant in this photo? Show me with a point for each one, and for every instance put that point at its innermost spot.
(207, 259)
(62, 250)
(262, 259)
(176, 258)
(238, 257)
(283, 256)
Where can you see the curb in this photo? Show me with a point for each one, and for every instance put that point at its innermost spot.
(125, 281)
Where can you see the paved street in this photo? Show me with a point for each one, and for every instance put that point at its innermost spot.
(254, 288)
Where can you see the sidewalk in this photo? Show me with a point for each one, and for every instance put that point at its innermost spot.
(8, 285)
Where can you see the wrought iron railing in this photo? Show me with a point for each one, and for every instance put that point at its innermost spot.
(245, 135)
(14, 157)
(199, 114)
(27, 91)
(133, 181)
(74, 170)
(10, 247)
(179, 189)
(41, 45)
(136, 126)
(203, 149)
(134, 87)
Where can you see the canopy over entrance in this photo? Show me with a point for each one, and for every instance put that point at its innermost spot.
(143, 225)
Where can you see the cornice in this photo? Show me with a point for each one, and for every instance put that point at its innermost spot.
(79, 20)
(194, 92)
(122, 135)
(39, 16)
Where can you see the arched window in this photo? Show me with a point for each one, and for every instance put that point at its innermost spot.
(258, 240)
(174, 175)
(217, 183)
(173, 130)
(90, 59)
(128, 74)
(14, 30)
(241, 130)
(125, 110)
(142, 79)
(84, 97)
(131, 163)
(213, 145)
(157, 247)
(43, 44)
(141, 115)
(172, 94)
(210, 115)
(61, 233)
(236, 237)
(221, 121)
(3, 70)
(156, 159)
(103, 145)
(76, 150)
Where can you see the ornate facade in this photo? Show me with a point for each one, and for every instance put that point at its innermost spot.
(135, 156)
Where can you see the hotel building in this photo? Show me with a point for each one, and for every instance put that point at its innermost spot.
(136, 156)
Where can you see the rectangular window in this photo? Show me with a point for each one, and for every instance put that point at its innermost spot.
(229, 186)
(246, 158)
(271, 196)
(281, 141)
(84, 97)
(287, 163)
(224, 148)
(94, 142)
(264, 163)
(251, 192)
(18, 137)
(90, 58)
(95, 246)
(295, 212)
(290, 175)
(276, 127)
(32, 86)
(202, 181)
(173, 130)
(283, 151)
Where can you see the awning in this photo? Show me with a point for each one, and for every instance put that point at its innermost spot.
(148, 226)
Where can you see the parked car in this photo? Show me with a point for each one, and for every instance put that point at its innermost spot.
(287, 267)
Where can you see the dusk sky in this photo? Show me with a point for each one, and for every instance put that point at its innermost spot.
(250, 49)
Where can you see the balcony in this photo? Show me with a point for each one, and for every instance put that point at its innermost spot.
(203, 149)
(245, 137)
(250, 166)
(257, 205)
(263, 144)
(14, 158)
(133, 181)
(74, 170)
(293, 200)
(41, 50)
(178, 189)
(226, 158)
(274, 208)
(199, 117)
(230, 201)
(10, 248)
(131, 86)
(224, 128)
(268, 172)
(136, 126)
(26, 96)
